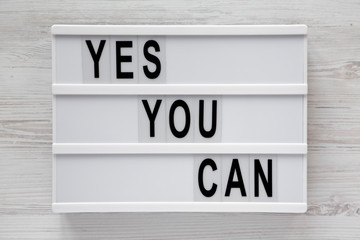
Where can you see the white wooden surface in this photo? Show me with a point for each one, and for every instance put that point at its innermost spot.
(333, 121)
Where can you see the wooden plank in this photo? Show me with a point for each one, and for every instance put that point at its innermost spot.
(333, 121)
(179, 226)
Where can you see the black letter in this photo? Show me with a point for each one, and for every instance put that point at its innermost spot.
(259, 171)
(212, 164)
(235, 167)
(152, 58)
(204, 133)
(175, 132)
(152, 115)
(120, 59)
(96, 56)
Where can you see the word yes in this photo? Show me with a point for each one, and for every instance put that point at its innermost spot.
(120, 58)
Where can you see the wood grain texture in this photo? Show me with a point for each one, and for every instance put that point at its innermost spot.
(333, 121)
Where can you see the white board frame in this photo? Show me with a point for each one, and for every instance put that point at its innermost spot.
(180, 89)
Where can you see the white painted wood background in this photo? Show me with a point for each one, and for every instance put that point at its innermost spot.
(333, 121)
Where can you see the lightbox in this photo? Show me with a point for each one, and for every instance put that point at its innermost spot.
(179, 118)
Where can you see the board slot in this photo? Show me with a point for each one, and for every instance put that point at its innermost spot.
(179, 89)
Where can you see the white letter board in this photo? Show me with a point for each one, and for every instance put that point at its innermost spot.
(179, 118)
